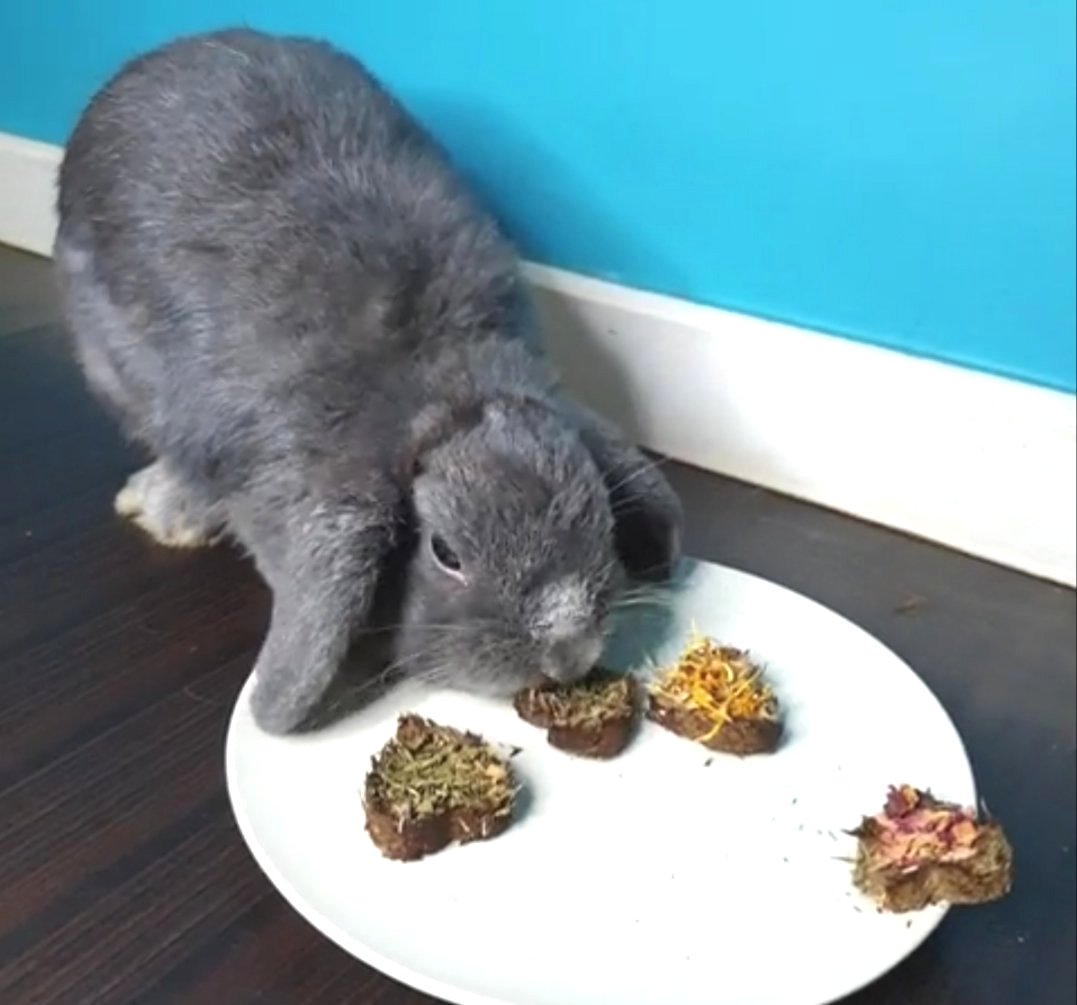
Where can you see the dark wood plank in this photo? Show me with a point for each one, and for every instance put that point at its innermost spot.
(27, 291)
(122, 877)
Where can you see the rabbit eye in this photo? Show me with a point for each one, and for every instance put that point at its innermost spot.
(444, 555)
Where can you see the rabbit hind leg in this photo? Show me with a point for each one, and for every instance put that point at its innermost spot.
(166, 508)
(120, 368)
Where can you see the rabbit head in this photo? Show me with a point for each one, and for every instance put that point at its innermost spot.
(515, 564)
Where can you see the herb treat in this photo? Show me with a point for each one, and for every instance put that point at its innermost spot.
(920, 851)
(431, 785)
(716, 696)
(592, 718)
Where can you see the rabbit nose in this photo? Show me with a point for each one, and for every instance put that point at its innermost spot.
(572, 659)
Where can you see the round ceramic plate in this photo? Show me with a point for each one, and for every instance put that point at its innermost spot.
(669, 874)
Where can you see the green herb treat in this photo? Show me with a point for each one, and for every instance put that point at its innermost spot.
(432, 785)
(592, 718)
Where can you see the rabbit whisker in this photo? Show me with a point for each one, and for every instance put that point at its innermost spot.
(636, 472)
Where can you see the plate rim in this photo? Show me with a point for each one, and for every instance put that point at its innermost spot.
(455, 995)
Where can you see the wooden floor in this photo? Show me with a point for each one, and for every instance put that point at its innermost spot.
(122, 876)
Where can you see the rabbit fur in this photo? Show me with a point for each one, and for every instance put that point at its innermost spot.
(277, 283)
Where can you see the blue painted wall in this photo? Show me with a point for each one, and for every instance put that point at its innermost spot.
(900, 173)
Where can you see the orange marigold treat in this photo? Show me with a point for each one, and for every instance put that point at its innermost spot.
(716, 696)
(920, 851)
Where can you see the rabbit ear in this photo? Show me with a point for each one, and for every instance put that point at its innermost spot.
(648, 516)
(432, 427)
(324, 594)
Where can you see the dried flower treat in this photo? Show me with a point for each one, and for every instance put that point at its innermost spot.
(592, 718)
(920, 851)
(431, 785)
(717, 696)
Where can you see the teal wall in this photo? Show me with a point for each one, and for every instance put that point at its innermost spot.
(899, 173)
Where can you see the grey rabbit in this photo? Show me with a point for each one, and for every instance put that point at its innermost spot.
(276, 281)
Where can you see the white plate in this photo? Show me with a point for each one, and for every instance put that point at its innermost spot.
(665, 876)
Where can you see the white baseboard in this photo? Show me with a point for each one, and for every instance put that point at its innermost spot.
(979, 463)
(975, 462)
(28, 193)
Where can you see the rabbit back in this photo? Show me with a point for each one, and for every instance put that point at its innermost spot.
(254, 227)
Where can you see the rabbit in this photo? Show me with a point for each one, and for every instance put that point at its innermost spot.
(280, 287)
